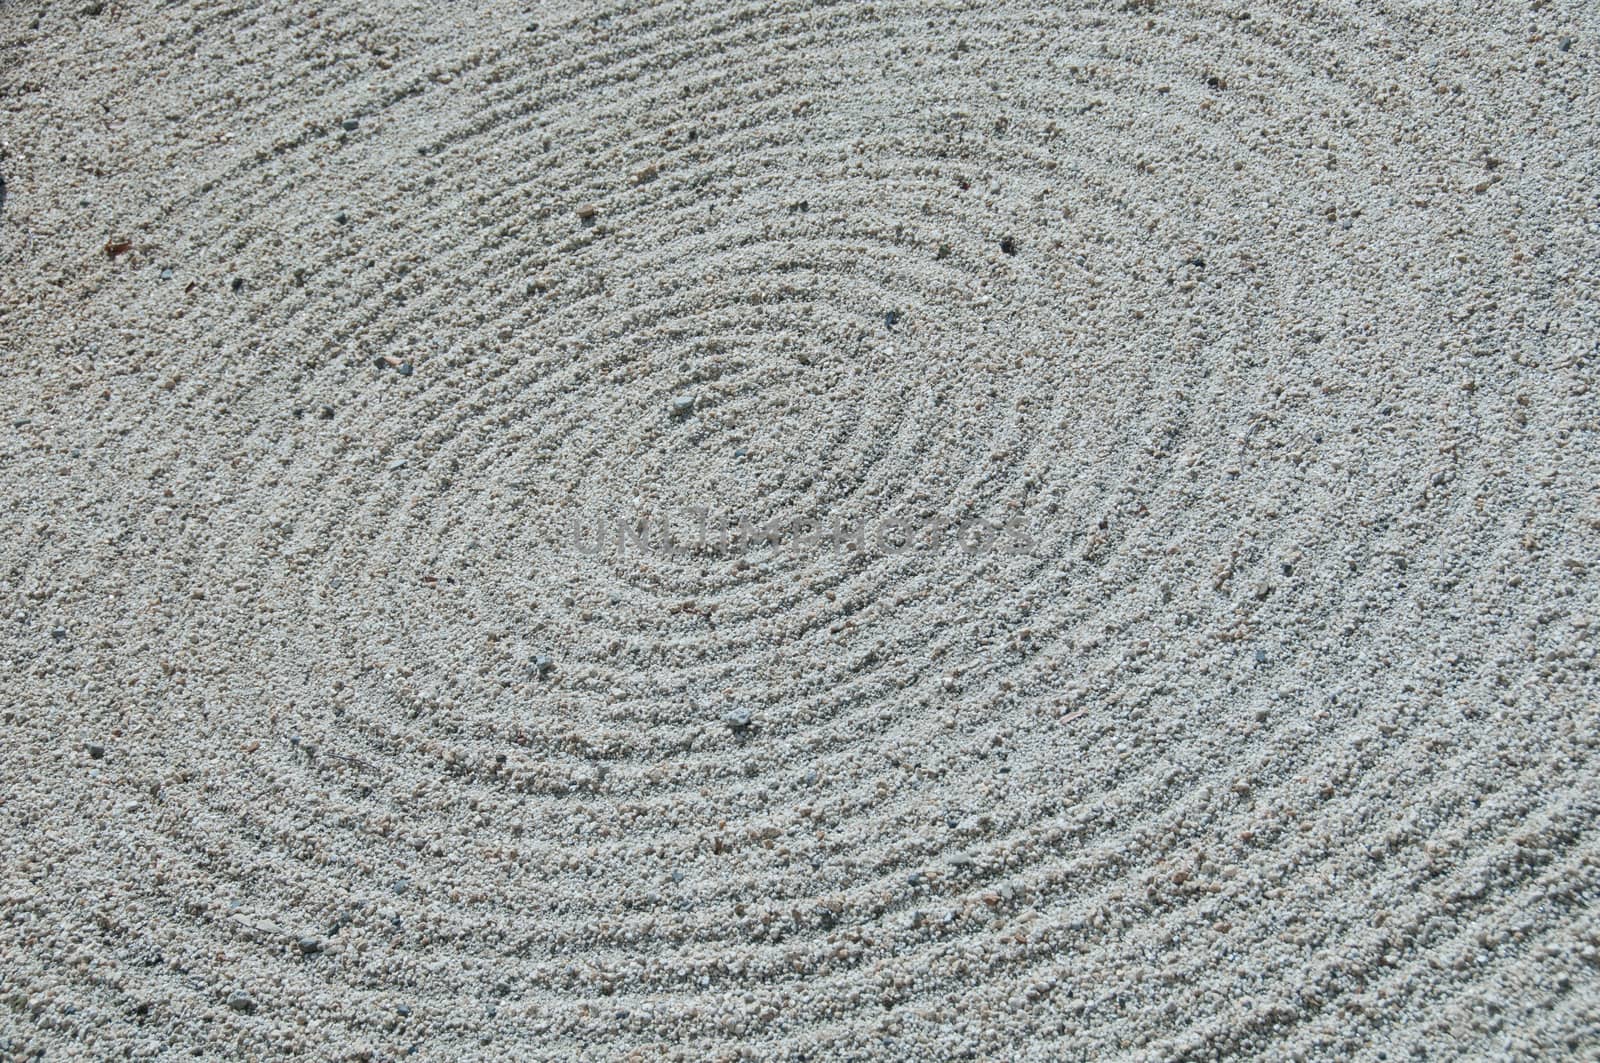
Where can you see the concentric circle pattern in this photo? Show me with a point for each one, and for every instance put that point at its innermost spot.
(345, 713)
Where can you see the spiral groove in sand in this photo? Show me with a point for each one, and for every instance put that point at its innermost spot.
(1274, 328)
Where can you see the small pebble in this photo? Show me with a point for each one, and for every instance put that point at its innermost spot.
(341, 217)
(326, 413)
(310, 946)
(542, 665)
(241, 1001)
(1261, 656)
(352, 124)
(238, 284)
(402, 1010)
(95, 750)
(891, 319)
(1008, 245)
(58, 633)
(405, 369)
(682, 406)
(166, 274)
(738, 719)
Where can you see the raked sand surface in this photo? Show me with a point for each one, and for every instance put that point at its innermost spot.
(329, 332)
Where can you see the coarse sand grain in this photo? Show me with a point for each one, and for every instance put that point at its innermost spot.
(799, 530)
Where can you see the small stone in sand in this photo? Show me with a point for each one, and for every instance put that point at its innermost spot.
(682, 406)
(351, 124)
(95, 750)
(310, 946)
(1008, 245)
(239, 1000)
(737, 719)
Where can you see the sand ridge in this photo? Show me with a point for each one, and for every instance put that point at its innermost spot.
(325, 331)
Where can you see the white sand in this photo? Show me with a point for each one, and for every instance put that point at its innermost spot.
(1282, 743)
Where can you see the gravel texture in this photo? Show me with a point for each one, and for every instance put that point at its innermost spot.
(327, 329)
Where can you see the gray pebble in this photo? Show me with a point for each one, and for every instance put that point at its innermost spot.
(95, 750)
(352, 124)
(682, 406)
(341, 217)
(737, 719)
(241, 1001)
(310, 946)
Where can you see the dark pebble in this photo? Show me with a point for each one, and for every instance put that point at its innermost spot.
(310, 946)
(238, 284)
(1008, 245)
(95, 750)
(402, 1010)
(58, 633)
(341, 217)
(943, 252)
(326, 413)
(352, 124)
(405, 369)
(891, 319)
